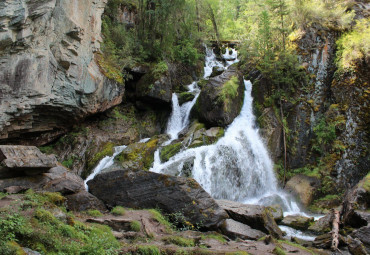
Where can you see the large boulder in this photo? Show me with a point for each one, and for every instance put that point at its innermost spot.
(323, 225)
(49, 76)
(255, 216)
(235, 229)
(23, 160)
(221, 99)
(363, 235)
(173, 195)
(303, 187)
(83, 201)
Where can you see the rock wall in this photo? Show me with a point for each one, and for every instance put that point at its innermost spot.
(48, 77)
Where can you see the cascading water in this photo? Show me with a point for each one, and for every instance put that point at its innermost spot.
(106, 162)
(238, 166)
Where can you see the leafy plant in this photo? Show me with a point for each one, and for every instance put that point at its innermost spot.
(118, 210)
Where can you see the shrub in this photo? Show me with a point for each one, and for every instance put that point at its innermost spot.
(148, 250)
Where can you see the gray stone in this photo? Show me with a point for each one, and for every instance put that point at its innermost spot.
(49, 77)
(83, 201)
(142, 189)
(235, 229)
(303, 187)
(255, 216)
(363, 234)
(23, 160)
(215, 108)
(323, 225)
(297, 222)
(276, 212)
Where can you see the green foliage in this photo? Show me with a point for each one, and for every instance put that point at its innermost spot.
(160, 69)
(186, 53)
(179, 241)
(68, 163)
(354, 45)
(325, 134)
(229, 91)
(47, 149)
(135, 226)
(94, 213)
(148, 250)
(118, 210)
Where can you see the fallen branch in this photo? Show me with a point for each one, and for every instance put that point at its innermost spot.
(335, 230)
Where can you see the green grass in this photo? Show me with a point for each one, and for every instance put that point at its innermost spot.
(278, 251)
(118, 211)
(230, 90)
(34, 225)
(366, 183)
(297, 246)
(157, 215)
(179, 241)
(215, 236)
(94, 213)
(148, 250)
(135, 226)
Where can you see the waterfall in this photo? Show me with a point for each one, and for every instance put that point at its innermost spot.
(238, 166)
(106, 162)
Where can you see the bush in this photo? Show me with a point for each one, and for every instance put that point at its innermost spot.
(148, 250)
(354, 45)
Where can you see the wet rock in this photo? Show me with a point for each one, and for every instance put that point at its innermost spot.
(23, 160)
(276, 212)
(355, 246)
(141, 189)
(221, 99)
(28, 251)
(216, 71)
(50, 80)
(303, 187)
(185, 97)
(255, 216)
(155, 91)
(302, 242)
(235, 229)
(83, 201)
(297, 222)
(139, 155)
(323, 225)
(363, 235)
(170, 150)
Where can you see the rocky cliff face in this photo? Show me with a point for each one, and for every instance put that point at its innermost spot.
(48, 76)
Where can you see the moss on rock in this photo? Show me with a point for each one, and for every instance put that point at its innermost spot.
(185, 97)
(107, 150)
(170, 150)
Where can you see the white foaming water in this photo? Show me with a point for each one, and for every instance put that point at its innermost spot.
(211, 61)
(180, 114)
(291, 232)
(237, 167)
(230, 58)
(104, 163)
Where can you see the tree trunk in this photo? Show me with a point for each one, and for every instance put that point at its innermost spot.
(284, 140)
(335, 230)
(214, 23)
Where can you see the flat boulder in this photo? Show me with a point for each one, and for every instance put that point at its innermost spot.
(18, 160)
(221, 99)
(363, 234)
(173, 195)
(297, 222)
(255, 216)
(235, 229)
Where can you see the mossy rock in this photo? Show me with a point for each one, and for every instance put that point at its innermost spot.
(139, 156)
(170, 150)
(107, 150)
(185, 97)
